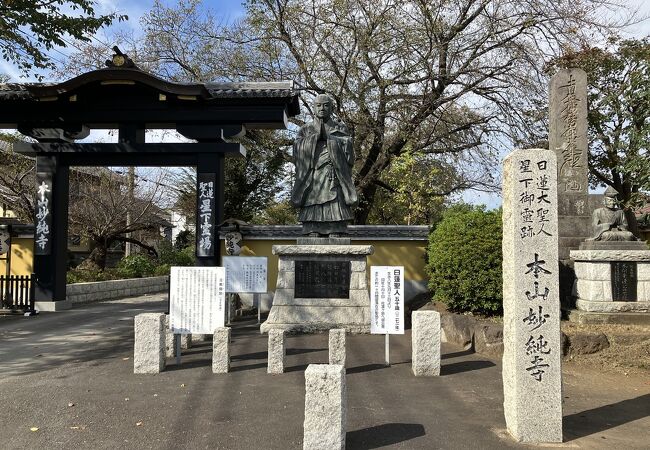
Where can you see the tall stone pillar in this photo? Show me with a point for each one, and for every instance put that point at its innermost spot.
(568, 139)
(532, 372)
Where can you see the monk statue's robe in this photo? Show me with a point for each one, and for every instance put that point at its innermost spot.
(323, 188)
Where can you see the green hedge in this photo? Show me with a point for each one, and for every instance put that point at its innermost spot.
(137, 266)
(464, 260)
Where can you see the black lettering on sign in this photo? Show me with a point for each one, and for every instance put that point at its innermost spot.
(624, 280)
(322, 279)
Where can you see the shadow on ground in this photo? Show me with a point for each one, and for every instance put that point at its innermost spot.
(606, 417)
(383, 435)
(465, 366)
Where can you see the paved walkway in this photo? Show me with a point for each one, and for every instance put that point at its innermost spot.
(70, 374)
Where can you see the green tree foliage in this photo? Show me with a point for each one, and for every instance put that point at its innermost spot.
(278, 213)
(30, 28)
(414, 190)
(619, 114)
(464, 260)
(135, 266)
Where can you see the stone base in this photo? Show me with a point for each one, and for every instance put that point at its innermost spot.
(593, 287)
(323, 241)
(309, 315)
(614, 245)
(611, 307)
(61, 305)
(615, 318)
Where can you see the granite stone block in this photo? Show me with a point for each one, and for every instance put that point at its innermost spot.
(286, 265)
(325, 407)
(425, 343)
(337, 338)
(591, 290)
(612, 307)
(286, 280)
(149, 345)
(532, 371)
(276, 351)
(221, 350)
(186, 341)
(596, 271)
(170, 349)
(358, 280)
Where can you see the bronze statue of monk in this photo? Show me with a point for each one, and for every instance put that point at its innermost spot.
(323, 189)
(609, 223)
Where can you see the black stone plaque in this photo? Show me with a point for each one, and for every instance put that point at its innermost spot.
(624, 281)
(322, 279)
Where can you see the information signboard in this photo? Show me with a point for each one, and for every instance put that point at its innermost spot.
(245, 274)
(197, 299)
(387, 299)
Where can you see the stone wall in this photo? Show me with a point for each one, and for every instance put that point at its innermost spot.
(80, 293)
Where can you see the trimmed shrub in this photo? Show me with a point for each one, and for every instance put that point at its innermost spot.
(162, 270)
(169, 255)
(464, 260)
(88, 276)
(135, 266)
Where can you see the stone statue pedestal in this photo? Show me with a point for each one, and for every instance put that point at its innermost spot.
(610, 280)
(321, 285)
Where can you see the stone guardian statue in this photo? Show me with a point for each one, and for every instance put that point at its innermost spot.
(609, 223)
(323, 189)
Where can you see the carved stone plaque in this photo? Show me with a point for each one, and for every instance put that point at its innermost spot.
(624, 280)
(322, 279)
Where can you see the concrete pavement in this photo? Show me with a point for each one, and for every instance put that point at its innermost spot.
(70, 374)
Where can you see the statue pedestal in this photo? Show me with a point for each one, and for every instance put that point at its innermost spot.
(320, 287)
(612, 280)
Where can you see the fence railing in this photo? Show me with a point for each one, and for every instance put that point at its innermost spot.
(17, 291)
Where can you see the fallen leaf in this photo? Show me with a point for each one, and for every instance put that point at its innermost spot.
(34, 428)
(138, 424)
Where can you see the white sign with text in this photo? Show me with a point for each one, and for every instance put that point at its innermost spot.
(245, 274)
(387, 299)
(197, 299)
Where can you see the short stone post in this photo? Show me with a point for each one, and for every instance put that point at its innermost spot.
(186, 341)
(532, 372)
(149, 346)
(277, 351)
(170, 349)
(221, 350)
(325, 407)
(337, 346)
(200, 338)
(425, 343)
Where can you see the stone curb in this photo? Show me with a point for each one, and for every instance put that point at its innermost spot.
(82, 293)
